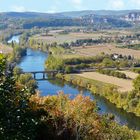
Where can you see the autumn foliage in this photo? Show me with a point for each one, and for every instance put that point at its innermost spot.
(74, 119)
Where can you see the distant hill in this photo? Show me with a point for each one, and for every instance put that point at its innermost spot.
(29, 15)
(73, 14)
(95, 18)
(98, 12)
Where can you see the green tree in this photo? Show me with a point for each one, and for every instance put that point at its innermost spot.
(68, 69)
(136, 84)
(28, 81)
(17, 71)
(107, 62)
(17, 121)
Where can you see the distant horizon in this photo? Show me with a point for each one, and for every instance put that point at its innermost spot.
(68, 11)
(57, 6)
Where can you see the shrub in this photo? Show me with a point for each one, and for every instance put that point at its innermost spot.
(113, 73)
(69, 69)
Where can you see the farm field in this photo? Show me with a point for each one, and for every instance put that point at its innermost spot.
(124, 85)
(57, 36)
(107, 49)
(61, 38)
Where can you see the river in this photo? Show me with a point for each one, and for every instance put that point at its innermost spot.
(14, 39)
(34, 61)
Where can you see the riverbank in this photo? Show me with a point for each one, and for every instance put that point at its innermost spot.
(108, 91)
(17, 51)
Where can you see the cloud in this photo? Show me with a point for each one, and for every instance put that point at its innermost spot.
(135, 2)
(77, 4)
(17, 8)
(116, 4)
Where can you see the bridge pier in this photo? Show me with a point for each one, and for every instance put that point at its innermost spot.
(34, 75)
(44, 75)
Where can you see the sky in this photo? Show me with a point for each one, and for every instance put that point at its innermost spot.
(53, 6)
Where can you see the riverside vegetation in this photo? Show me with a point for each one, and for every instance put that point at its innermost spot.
(129, 101)
(26, 115)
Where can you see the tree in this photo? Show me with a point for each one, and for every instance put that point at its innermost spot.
(17, 71)
(68, 69)
(16, 119)
(136, 84)
(107, 62)
(28, 81)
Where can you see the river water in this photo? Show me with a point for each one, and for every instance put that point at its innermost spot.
(14, 39)
(34, 61)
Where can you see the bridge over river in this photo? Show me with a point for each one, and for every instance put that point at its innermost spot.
(52, 73)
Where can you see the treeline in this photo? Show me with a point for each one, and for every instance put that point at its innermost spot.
(55, 61)
(24, 35)
(52, 23)
(17, 53)
(7, 34)
(137, 70)
(99, 23)
(27, 116)
(113, 73)
(36, 43)
(42, 45)
(24, 38)
(132, 46)
(85, 42)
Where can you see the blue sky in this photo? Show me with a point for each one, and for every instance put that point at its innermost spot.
(52, 6)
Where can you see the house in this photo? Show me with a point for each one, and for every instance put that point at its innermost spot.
(115, 56)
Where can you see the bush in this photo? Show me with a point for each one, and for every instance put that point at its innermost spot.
(69, 69)
(137, 70)
(134, 102)
(28, 81)
(113, 73)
